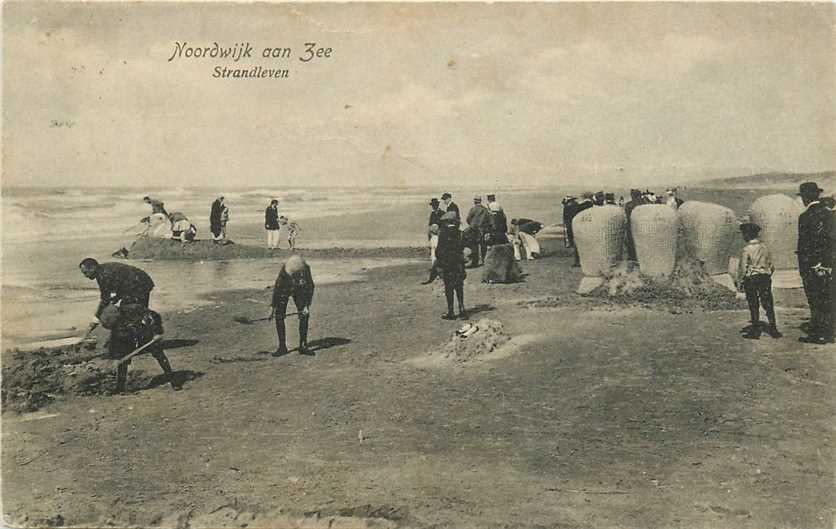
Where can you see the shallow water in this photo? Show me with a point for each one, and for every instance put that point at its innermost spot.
(46, 297)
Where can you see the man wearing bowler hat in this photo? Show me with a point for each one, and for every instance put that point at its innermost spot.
(816, 247)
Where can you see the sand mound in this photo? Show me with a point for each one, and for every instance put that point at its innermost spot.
(474, 340)
(206, 250)
(689, 287)
(33, 379)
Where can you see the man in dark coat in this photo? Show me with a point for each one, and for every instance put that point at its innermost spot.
(271, 224)
(118, 283)
(294, 281)
(583, 205)
(816, 247)
(435, 215)
(449, 205)
(450, 260)
(635, 200)
(478, 218)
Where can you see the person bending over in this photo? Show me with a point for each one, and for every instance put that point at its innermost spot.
(294, 280)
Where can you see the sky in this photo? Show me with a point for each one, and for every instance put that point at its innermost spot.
(417, 94)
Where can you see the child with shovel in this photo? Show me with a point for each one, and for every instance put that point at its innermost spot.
(133, 326)
(294, 281)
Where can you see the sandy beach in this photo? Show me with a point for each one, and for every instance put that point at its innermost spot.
(645, 394)
(595, 414)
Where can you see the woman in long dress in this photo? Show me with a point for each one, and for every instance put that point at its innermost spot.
(215, 218)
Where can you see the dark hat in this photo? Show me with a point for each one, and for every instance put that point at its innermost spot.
(491, 197)
(477, 199)
(809, 189)
(445, 196)
(750, 229)
(433, 201)
(609, 196)
(599, 194)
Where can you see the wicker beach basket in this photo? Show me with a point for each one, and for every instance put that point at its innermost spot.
(599, 236)
(777, 215)
(710, 231)
(654, 228)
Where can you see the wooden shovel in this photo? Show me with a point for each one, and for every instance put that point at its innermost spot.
(247, 321)
(154, 340)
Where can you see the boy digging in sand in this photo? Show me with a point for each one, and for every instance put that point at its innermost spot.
(132, 326)
(294, 281)
(754, 277)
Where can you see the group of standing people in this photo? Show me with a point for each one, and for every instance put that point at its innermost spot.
(453, 250)
(176, 225)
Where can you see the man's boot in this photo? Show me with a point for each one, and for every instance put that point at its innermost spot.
(754, 332)
(303, 335)
(281, 332)
(448, 293)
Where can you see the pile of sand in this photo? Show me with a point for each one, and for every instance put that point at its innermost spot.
(206, 250)
(32, 379)
(474, 340)
(689, 287)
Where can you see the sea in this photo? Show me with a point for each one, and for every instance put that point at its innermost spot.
(46, 232)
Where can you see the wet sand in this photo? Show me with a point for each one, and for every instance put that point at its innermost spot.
(600, 415)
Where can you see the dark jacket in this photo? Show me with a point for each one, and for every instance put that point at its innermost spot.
(449, 254)
(815, 237)
(118, 280)
(529, 226)
(478, 217)
(271, 218)
(499, 227)
(136, 327)
(215, 218)
(454, 207)
(435, 217)
(284, 288)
